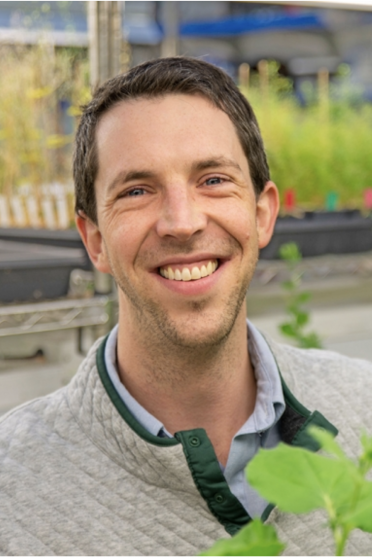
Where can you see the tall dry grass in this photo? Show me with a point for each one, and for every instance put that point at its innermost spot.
(323, 147)
(35, 137)
(320, 148)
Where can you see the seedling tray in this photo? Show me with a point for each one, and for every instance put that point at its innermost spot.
(30, 272)
(69, 238)
(317, 234)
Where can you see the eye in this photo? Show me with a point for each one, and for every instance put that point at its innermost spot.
(214, 180)
(135, 192)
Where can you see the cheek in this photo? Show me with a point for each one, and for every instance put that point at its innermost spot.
(119, 239)
(239, 221)
(126, 236)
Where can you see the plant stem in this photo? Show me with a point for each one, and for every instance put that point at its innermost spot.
(340, 535)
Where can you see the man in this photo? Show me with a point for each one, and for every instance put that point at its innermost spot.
(144, 451)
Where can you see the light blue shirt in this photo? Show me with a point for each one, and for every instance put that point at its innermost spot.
(260, 430)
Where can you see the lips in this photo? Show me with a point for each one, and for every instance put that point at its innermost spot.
(188, 272)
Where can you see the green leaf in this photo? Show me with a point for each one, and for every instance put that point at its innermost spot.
(288, 285)
(301, 298)
(290, 252)
(255, 539)
(297, 480)
(302, 318)
(328, 442)
(361, 517)
(329, 445)
(366, 457)
(310, 341)
(293, 309)
(288, 329)
(366, 444)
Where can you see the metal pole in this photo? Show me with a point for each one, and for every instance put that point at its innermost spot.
(105, 40)
(244, 71)
(170, 17)
(105, 45)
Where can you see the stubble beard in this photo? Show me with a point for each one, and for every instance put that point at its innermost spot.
(162, 334)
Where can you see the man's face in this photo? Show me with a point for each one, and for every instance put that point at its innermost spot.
(178, 224)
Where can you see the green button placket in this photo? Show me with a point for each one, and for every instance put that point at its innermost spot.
(210, 481)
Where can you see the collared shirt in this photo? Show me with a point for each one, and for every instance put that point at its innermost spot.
(260, 430)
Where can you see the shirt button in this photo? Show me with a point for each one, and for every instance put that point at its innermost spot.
(194, 441)
(219, 498)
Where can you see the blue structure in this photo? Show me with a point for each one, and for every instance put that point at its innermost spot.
(256, 23)
(70, 17)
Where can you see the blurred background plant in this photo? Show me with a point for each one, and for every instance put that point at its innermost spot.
(297, 316)
(317, 139)
(41, 89)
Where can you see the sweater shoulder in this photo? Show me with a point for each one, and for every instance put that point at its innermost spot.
(28, 432)
(315, 355)
(337, 386)
(31, 412)
(34, 423)
(318, 366)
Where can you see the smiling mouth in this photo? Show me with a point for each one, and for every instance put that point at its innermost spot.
(189, 273)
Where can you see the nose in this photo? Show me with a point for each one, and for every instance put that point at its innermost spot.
(181, 215)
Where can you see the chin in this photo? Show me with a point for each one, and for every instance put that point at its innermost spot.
(199, 330)
(198, 339)
(196, 325)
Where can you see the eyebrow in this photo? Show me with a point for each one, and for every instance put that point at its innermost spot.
(216, 162)
(127, 176)
(123, 177)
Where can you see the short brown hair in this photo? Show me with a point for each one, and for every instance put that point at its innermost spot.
(178, 75)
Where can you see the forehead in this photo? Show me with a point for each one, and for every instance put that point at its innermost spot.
(177, 105)
(160, 128)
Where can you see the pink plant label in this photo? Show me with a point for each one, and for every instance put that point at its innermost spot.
(368, 198)
(289, 199)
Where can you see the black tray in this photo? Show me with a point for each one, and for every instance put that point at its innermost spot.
(69, 238)
(345, 232)
(35, 272)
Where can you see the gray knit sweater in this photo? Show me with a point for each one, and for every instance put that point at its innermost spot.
(78, 476)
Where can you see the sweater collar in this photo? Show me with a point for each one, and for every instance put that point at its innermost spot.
(269, 405)
(187, 462)
(293, 424)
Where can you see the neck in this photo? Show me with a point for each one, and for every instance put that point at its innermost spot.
(207, 387)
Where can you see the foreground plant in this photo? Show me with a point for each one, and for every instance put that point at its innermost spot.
(300, 481)
(298, 316)
(256, 539)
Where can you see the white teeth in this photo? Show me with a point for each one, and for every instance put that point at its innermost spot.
(195, 273)
(186, 275)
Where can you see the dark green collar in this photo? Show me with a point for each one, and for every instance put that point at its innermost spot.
(200, 454)
(120, 405)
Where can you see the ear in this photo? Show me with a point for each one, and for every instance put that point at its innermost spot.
(93, 242)
(267, 209)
